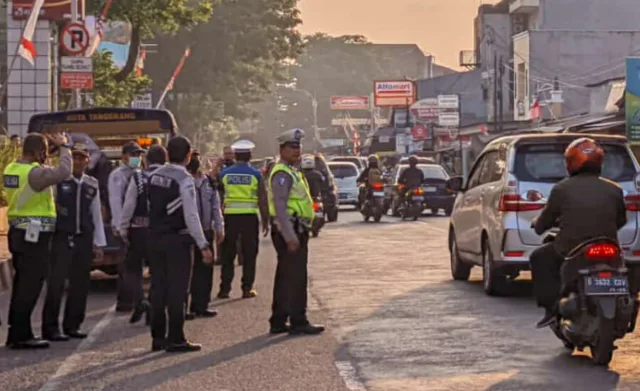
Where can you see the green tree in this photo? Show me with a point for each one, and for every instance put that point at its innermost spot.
(237, 56)
(151, 17)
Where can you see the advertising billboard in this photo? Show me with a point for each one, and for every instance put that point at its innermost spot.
(389, 93)
(350, 102)
(52, 10)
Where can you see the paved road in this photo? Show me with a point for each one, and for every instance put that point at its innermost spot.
(396, 322)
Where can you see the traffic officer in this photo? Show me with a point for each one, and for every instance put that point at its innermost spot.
(244, 197)
(79, 234)
(213, 227)
(227, 160)
(134, 224)
(32, 215)
(174, 224)
(291, 210)
(129, 279)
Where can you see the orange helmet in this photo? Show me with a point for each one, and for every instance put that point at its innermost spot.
(583, 153)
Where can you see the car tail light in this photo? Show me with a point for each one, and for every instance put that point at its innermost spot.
(316, 206)
(511, 201)
(602, 251)
(400, 187)
(377, 186)
(514, 254)
(418, 192)
(633, 202)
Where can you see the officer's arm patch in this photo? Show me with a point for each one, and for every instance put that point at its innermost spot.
(282, 180)
(11, 181)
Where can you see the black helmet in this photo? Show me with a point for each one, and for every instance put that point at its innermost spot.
(413, 160)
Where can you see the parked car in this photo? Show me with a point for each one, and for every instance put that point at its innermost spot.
(508, 183)
(436, 195)
(359, 161)
(345, 175)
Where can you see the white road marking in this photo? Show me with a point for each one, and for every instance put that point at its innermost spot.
(433, 227)
(72, 362)
(349, 376)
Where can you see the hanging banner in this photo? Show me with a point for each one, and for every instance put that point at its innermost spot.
(632, 100)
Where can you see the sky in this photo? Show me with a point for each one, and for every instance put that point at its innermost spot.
(439, 27)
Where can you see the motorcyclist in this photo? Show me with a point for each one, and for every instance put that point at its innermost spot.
(410, 178)
(584, 206)
(364, 178)
(314, 178)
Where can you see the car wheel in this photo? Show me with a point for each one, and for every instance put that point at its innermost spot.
(459, 270)
(493, 280)
(434, 211)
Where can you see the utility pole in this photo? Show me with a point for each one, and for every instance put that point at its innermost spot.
(77, 98)
(500, 95)
(495, 92)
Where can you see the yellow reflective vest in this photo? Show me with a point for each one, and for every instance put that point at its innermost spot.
(25, 204)
(240, 190)
(300, 203)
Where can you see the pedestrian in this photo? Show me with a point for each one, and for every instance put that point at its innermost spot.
(78, 236)
(31, 213)
(213, 227)
(134, 224)
(291, 210)
(174, 224)
(244, 197)
(130, 289)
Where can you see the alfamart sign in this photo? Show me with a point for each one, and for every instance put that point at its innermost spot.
(393, 93)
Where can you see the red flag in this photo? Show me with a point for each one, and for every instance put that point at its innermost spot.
(99, 30)
(140, 62)
(535, 112)
(27, 49)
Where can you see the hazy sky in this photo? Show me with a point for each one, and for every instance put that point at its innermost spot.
(439, 27)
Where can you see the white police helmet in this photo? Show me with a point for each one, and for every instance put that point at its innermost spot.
(308, 162)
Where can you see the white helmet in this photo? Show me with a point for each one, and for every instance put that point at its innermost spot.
(308, 162)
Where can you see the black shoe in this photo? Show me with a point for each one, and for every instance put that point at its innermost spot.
(279, 329)
(308, 329)
(549, 318)
(34, 343)
(223, 295)
(158, 345)
(141, 309)
(189, 316)
(55, 337)
(185, 347)
(206, 314)
(249, 294)
(76, 334)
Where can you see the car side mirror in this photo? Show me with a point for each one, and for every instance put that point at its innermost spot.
(455, 183)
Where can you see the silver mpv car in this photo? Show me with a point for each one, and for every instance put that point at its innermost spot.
(491, 221)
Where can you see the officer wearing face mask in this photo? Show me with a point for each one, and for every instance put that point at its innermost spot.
(118, 181)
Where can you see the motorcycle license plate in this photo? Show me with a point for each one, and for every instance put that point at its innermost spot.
(418, 198)
(614, 285)
(430, 189)
(343, 196)
(319, 215)
(378, 193)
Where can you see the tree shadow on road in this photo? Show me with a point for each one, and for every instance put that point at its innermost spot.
(447, 331)
(161, 375)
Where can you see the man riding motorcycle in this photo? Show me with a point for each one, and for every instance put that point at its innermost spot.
(373, 168)
(584, 206)
(410, 178)
(314, 178)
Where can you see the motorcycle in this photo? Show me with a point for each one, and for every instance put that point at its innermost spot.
(596, 306)
(318, 221)
(412, 203)
(374, 203)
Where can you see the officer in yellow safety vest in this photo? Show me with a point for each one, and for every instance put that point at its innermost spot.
(32, 220)
(291, 211)
(244, 197)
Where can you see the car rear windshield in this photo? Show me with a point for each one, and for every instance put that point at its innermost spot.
(343, 170)
(430, 172)
(545, 163)
(355, 161)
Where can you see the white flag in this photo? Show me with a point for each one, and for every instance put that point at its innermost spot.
(27, 49)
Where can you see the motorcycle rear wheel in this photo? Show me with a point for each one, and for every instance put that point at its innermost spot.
(602, 352)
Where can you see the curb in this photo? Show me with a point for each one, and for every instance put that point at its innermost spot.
(6, 274)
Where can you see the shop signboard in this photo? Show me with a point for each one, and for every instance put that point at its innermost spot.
(449, 110)
(52, 10)
(632, 100)
(426, 110)
(393, 93)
